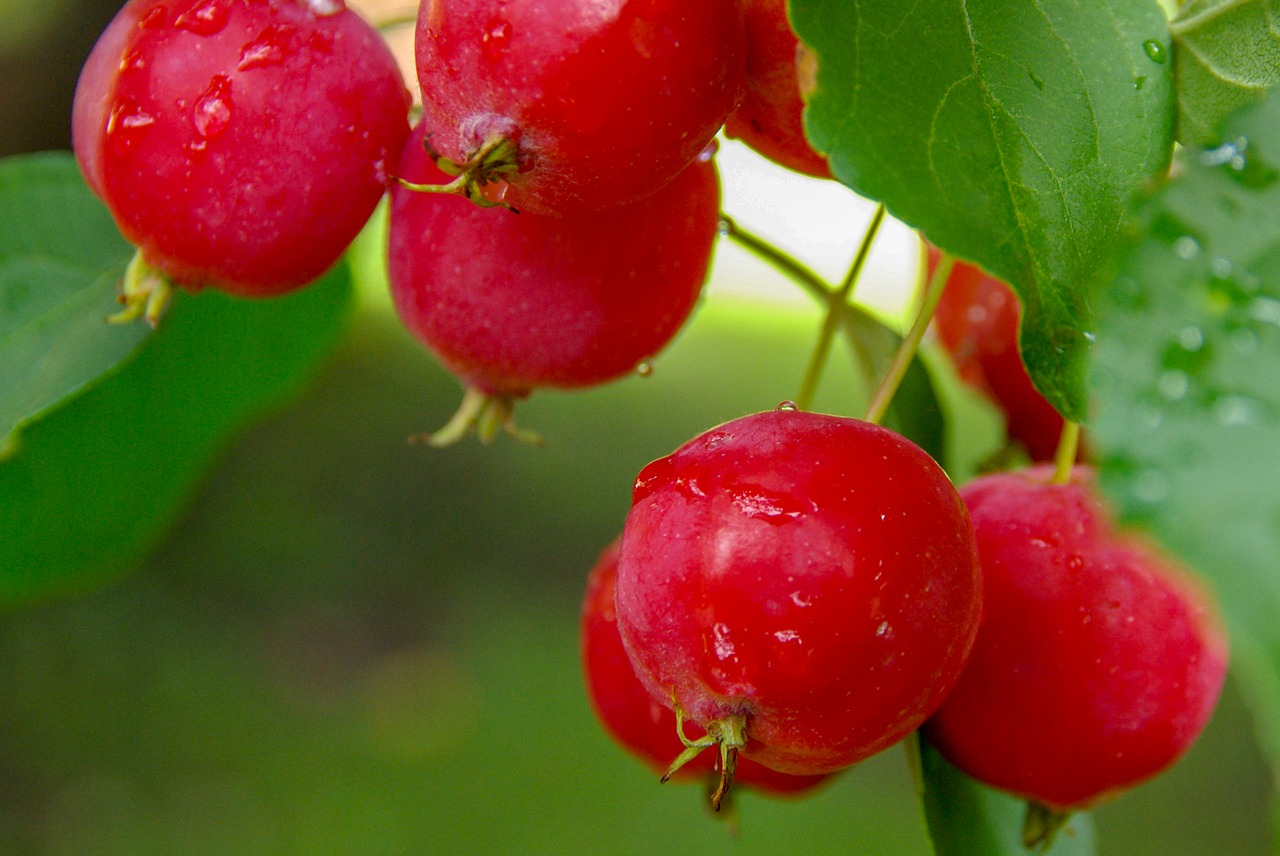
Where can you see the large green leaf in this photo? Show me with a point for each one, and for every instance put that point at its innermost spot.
(90, 485)
(966, 818)
(60, 260)
(1188, 385)
(1226, 54)
(1011, 133)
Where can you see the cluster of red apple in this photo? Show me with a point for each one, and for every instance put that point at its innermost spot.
(801, 590)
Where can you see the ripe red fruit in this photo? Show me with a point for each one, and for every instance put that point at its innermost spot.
(513, 302)
(770, 117)
(577, 105)
(641, 725)
(808, 579)
(1098, 662)
(977, 320)
(241, 145)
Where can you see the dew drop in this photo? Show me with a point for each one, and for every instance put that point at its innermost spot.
(787, 407)
(324, 8)
(153, 20)
(774, 508)
(496, 39)
(1151, 486)
(788, 636)
(1221, 267)
(127, 125)
(1155, 51)
(1191, 338)
(801, 599)
(1139, 81)
(1149, 418)
(644, 368)
(655, 475)
(1036, 79)
(1245, 342)
(132, 61)
(203, 19)
(709, 152)
(1265, 310)
(883, 630)
(1235, 411)
(1231, 154)
(267, 49)
(721, 643)
(1174, 385)
(212, 111)
(1186, 248)
(716, 439)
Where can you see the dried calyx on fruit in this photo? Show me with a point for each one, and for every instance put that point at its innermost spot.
(554, 107)
(515, 302)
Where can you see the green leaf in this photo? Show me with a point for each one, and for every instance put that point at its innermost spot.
(1226, 54)
(1188, 386)
(60, 260)
(966, 818)
(91, 485)
(915, 411)
(1011, 133)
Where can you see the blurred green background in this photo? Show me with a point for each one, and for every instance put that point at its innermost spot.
(352, 645)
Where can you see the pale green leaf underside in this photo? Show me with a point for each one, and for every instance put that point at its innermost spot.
(1188, 385)
(1226, 54)
(1011, 133)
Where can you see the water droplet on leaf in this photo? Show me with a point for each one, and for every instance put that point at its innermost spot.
(1155, 51)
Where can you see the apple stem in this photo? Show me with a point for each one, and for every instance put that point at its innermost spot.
(837, 301)
(1064, 458)
(495, 159)
(776, 258)
(728, 734)
(483, 413)
(145, 293)
(1041, 825)
(911, 342)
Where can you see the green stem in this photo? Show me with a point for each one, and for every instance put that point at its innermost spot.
(911, 343)
(1065, 456)
(793, 270)
(837, 301)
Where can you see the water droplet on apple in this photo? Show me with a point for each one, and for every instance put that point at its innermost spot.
(324, 8)
(787, 407)
(204, 19)
(496, 39)
(267, 49)
(154, 20)
(212, 111)
(127, 125)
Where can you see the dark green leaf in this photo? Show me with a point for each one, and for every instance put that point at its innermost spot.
(1226, 54)
(1011, 133)
(966, 818)
(915, 412)
(1187, 383)
(60, 260)
(89, 487)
